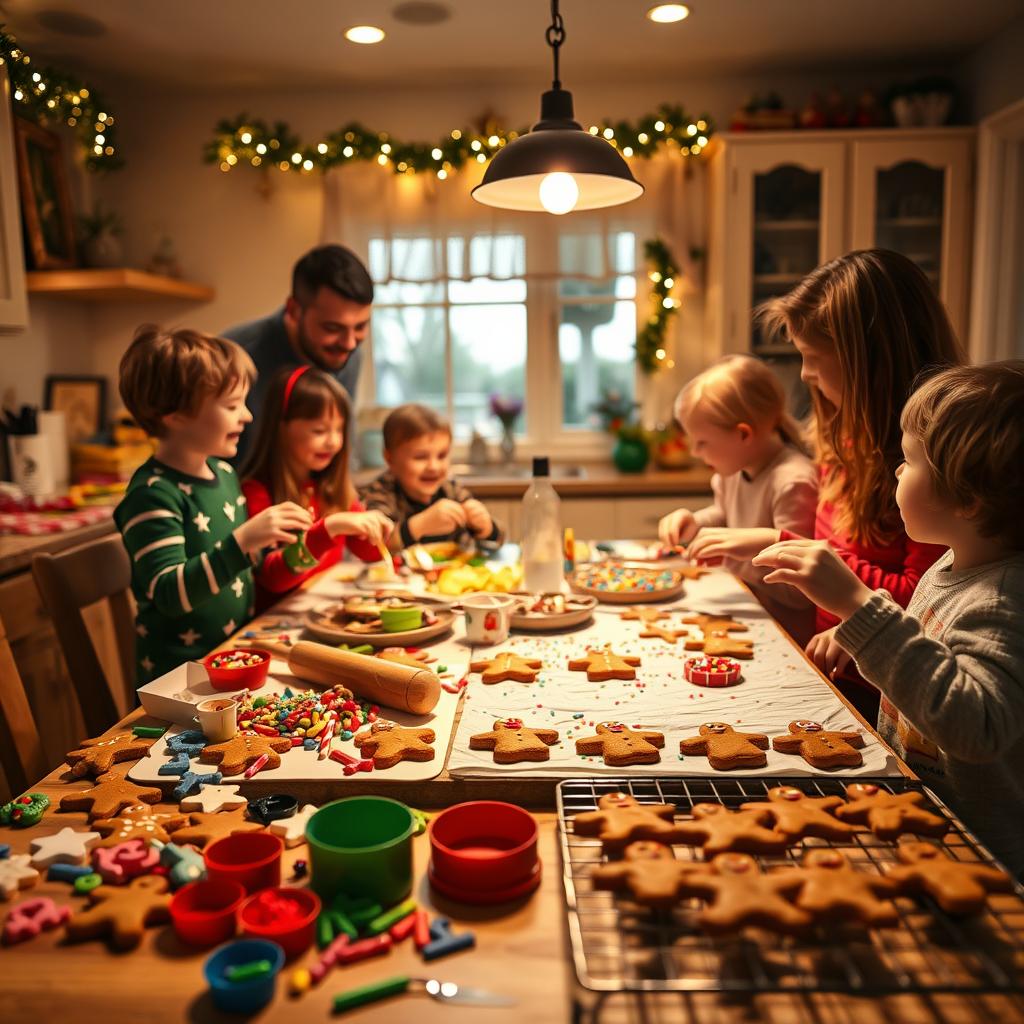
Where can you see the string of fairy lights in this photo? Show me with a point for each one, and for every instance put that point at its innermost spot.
(251, 142)
(46, 95)
(651, 354)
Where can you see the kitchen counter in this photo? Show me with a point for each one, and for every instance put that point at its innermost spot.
(16, 550)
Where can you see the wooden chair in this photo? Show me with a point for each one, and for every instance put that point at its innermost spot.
(21, 750)
(72, 581)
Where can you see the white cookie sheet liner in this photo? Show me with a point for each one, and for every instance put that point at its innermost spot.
(778, 687)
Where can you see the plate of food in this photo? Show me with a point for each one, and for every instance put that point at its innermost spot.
(457, 580)
(626, 582)
(383, 619)
(543, 613)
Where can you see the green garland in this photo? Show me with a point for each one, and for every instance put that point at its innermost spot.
(650, 339)
(44, 95)
(250, 142)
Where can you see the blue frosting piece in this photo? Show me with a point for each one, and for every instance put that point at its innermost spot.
(176, 766)
(190, 742)
(191, 783)
(309, 744)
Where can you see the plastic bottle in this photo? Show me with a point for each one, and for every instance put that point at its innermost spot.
(542, 533)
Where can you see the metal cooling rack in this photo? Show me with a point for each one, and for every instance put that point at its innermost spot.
(619, 946)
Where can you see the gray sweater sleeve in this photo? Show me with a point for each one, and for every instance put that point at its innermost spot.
(966, 694)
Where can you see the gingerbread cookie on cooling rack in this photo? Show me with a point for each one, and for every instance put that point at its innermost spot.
(959, 887)
(621, 819)
(889, 815)
(507, 666)
(727, 749)
(716, 829)
(604, 664)
(716, 639)
(651, 874)
(512, 742)
(821, 747)
(834, 891)
(796, 815)
(388, 743)
(622, 746)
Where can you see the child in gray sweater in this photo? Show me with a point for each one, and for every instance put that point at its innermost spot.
(951, 667)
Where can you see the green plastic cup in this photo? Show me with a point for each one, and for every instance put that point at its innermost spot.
(361, 846)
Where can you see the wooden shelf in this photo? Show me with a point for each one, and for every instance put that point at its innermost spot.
(122, 284)
(786, 224)
(910, 222)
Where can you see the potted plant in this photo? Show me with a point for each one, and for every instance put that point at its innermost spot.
(507, 411)
(632, 451)
(101, 233)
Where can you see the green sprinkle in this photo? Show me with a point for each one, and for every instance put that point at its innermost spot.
(247, 972)
(149, 731)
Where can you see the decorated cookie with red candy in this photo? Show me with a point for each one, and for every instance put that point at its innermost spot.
(708, 671)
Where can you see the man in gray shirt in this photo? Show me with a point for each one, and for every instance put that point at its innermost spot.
(323, 322)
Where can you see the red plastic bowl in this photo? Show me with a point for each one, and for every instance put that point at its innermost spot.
(206, 913)
(252, 676)
(253, 859)
(293, 932)
(483, 845)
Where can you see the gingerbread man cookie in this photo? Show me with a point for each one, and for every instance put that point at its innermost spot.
(715, 640)
(388, 744)
(622, 746)
(138, 822)
(820, 747)
(726, 748)
(692, 572)
(654, 631)
(98, 755)
(645, 614)
(716, 830)
(507, 665)
(414, 659)
(16, 872)
(738, 895)
(959, 887)
(122, 913)
(649, 871)
(796, 815)
(833, 891)
(111, 795)
(890, 814)
(204, 828)
(242, 750)
(601, 665)
(621, 819)
(513, 742)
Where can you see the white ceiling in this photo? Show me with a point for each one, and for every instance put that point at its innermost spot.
(295, 44)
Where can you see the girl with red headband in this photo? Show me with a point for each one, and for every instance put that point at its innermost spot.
(300, 454)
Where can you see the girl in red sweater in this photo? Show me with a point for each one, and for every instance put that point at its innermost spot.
(867, 326)
(301, 451)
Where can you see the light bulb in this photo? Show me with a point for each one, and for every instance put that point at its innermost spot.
(559, 192)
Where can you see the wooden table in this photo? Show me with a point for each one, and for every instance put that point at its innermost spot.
(522, 950)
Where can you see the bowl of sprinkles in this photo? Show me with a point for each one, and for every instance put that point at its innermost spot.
(238, 670)
(705, 671)
(626, 582)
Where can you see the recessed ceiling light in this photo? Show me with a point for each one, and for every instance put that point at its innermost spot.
(365, 34)
(665, 14)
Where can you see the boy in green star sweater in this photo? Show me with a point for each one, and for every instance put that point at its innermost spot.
(183, 518)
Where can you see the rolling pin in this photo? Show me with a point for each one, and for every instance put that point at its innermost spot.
(383, 682)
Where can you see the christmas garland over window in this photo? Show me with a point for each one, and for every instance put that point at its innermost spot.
(250, 142)
(650, 340)
(46, 95)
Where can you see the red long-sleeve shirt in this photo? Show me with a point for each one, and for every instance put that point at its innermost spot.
(274, 577)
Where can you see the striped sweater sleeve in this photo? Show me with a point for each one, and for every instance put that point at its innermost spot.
(153, 530)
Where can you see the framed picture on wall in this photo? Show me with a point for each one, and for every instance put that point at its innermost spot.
(83, 402)
(45, 198)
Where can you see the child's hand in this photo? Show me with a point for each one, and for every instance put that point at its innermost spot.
(279, 524)
(714, 543)
(478, 519)
(444, 516)
(827, 655)
(677, 527)
(817, 571)
(374, 526)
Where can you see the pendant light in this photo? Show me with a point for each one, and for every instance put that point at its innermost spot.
(557, 167)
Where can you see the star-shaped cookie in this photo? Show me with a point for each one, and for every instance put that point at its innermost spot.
(16, 872)
(204, 828)
(603, 664)
(388, 744)
(716, 639)
(138, 822)
(506, 665)
(888, 815)
(621, 746)
(796, 815)
(121, 913)
(959, 887)
(98, 755)
(620, 819)
(649, 871)
(716, 830)
(67, 846)
(726, 748)
(833, 890)
(111, 795)
(293, 830)
(513, 742)
(239, 752)
(214, 798)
